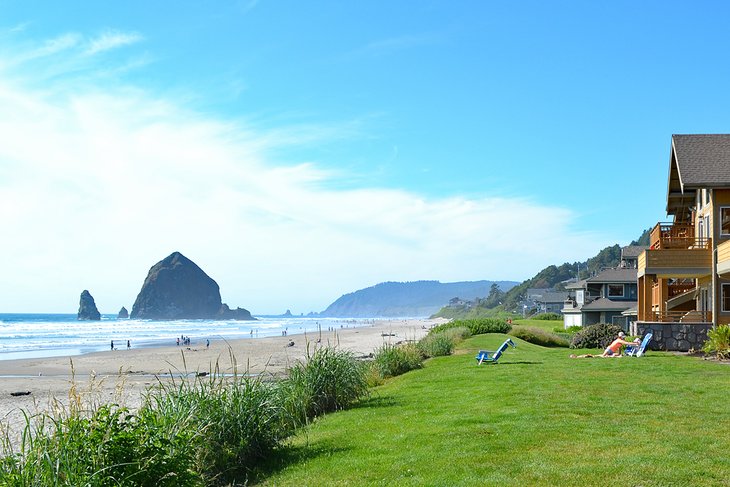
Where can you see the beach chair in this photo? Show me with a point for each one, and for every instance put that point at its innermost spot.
(493, 356)
(634, 351)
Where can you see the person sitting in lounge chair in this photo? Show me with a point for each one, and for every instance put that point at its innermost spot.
(613, 350)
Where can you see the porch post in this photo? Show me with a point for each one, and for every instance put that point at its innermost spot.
(713, 246)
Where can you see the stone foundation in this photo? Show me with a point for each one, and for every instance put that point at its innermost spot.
(678, 337)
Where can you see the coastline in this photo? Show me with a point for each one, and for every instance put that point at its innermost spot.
(121, 376)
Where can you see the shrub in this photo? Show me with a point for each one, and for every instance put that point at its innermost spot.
(477, 326)
(392, 360)
(571, 330)
(718, 341)
(595, 336)
(458, 333)
(437, 344)
(547, 316)
(538, 336)
(329, 380)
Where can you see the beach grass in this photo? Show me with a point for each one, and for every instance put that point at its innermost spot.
(536, 418)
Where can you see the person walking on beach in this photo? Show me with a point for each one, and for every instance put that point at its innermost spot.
(129, 345)
(112, 344)
(207, 343)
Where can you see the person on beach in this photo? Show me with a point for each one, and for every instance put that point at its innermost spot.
(207, 343)
(129, 345)
(112, 344)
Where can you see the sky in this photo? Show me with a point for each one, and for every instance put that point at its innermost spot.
(297, 151)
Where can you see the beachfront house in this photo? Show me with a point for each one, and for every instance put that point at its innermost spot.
(550, 302)
(607, 297)
(684, 276)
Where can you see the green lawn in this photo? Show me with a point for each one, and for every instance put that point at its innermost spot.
(547, 325)
(536, 418)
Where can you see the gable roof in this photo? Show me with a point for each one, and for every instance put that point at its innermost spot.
(553, 297)
(633, 251)
(619, 276)
(604, 304)
(696, 161)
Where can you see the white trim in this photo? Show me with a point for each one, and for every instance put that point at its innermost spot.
(722, 296)
(608, 291)
(720, 213)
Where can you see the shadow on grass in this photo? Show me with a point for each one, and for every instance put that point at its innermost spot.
(521, 362)
(377, 401)
(288, 456)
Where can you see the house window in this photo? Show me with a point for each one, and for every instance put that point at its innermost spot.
(726, 298)
(615, 290)
(707, 196)
(725, 220)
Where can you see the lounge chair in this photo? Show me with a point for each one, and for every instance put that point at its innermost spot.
(634, 351)
(493, 356)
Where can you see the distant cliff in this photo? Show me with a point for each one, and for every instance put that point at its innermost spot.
(176, 288)
(413, 299)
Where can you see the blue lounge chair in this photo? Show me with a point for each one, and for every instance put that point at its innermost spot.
(634, 351)
(493, 357)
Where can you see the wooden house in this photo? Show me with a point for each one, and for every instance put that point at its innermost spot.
(684, 276)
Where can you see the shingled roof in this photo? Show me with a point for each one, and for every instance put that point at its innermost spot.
(617, 276)
(696, 161)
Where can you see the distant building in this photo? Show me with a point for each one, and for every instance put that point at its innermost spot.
(608, 297)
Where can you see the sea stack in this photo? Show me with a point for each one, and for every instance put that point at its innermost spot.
(177, 289)
(87, 308)
(123, 313)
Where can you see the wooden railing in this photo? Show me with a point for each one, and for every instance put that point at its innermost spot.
(676, 236)
(674, 290)
(682, 316)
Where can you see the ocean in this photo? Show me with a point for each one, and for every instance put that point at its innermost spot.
(50, 335)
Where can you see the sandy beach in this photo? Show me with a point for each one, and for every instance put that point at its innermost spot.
(122, 375)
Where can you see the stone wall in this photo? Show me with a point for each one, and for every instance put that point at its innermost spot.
(679, 337)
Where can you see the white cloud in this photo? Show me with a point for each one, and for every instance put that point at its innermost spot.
(112, 40)
(97, 186)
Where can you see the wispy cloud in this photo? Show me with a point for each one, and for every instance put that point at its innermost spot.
(98, 184)
(112, 40)
(52, 47)
(18, 28)
(399, 43)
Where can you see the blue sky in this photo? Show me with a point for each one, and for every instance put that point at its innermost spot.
(300, 150)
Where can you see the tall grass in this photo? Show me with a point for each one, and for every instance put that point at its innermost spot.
(330, 379)
(393, 360)
(539, 336)
(477, 326)
(211, 430)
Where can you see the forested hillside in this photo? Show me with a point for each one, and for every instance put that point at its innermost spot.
(419, 298)
(550, 277)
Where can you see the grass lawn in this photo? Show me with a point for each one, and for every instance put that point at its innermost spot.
(547, 325)
(536, 418)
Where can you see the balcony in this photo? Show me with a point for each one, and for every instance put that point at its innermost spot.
(676, 252)
(687, 317)
(676, 236)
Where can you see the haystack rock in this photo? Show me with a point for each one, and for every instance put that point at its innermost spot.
(176, 288)
(123, 313)
(87, 308)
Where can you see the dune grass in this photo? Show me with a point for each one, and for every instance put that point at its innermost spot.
(536, 418)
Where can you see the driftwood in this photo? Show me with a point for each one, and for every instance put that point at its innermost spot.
(20, 393)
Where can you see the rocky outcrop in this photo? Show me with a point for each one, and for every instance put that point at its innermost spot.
(226, 313)
(123, 313)
(176, 288)
(87, 308)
